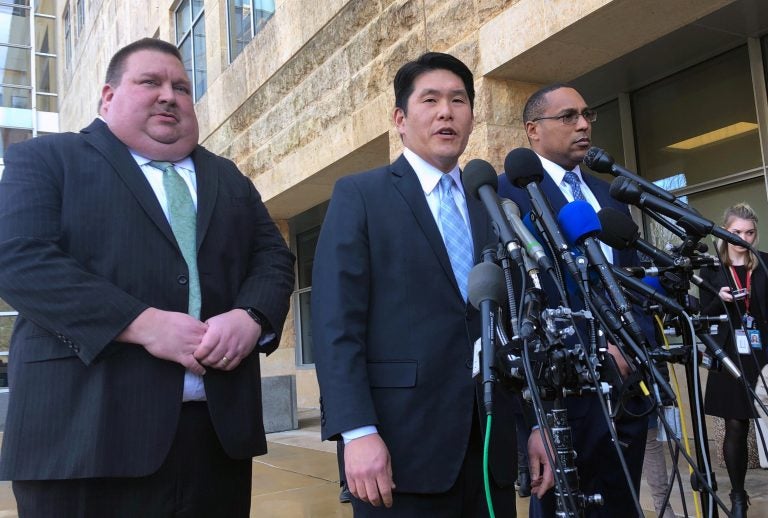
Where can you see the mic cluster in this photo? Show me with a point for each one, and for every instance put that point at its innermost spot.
(541, 349)
(575, 235)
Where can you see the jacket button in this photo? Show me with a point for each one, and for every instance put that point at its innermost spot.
(468, 364)
(182, 279)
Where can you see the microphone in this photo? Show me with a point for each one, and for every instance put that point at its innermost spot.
(480, 180)
(600, 161)
(580, 225)
(620, 232)
(642, 287)
(718, 353)
(628, 191)
(486, 290)
(531, 246)
(523, 169)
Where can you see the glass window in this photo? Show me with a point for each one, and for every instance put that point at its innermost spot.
(47, 103)
(699, 124)
(80, 6)
(239, 26)
(14, 66)
(45, 72)
(183, 19)
(190, 38)
(45, 7)
(201, 71)
(606, 130)
(45, 35)
(15, 97)
(67, 37)
(306, 243)
(262, 11)
(15, 24)
(10, 136)
(246, 18)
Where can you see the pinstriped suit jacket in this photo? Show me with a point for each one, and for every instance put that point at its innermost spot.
(85, 248)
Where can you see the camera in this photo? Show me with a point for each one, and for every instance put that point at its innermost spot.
(739, 294)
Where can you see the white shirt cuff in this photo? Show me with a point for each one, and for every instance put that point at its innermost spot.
(356, 433)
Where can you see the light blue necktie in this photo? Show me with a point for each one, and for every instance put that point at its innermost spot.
(572, 179)
(183, 219)
(455, 234)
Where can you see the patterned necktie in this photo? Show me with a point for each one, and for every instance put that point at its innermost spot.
(572, 179)
(183, 219)
(455, 234)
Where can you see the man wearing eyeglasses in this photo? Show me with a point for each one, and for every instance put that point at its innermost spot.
(558, 124)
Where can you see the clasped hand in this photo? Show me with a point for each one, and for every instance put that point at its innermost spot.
(221, 342)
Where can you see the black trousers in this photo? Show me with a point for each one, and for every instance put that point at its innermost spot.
(197, 479)
(466, 499)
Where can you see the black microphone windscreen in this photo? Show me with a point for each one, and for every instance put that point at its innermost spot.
(619, 231)
(477, 173)
(522, 166)
(598, 160)
(486, 282)
(625, 190)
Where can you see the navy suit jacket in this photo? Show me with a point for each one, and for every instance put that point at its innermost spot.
(84, 249)
(392, 336)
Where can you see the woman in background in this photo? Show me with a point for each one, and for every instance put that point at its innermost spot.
(727, 397)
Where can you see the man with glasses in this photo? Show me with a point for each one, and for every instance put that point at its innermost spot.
(558, 124)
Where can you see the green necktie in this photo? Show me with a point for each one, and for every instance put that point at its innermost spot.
(183, 219)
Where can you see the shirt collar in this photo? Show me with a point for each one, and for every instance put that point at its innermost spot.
(428, 175)
(557, 172)
(184, 163)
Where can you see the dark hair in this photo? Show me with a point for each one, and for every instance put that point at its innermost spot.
(536, 105)
(428, 62)
(117, 63)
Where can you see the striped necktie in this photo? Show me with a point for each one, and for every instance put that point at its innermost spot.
(455, 234)
(182, 216)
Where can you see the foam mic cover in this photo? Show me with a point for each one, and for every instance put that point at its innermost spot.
(619, 231)
(486, 282)
(654, 283)
(476, 174)
(578, 220)
(599, 161)
(522, 166)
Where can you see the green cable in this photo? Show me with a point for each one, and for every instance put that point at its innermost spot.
(486, 479)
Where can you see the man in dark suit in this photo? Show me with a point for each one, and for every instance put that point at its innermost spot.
(558, 124)
(392, 330)
(148, 275)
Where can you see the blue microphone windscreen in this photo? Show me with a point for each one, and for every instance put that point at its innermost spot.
(654, 283)
(578, 220)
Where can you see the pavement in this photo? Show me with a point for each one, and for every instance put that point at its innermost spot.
(299, 478)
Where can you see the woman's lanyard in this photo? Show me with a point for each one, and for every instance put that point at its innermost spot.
(740, 287)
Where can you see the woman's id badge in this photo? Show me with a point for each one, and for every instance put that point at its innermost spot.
(742, 342)
(754, 339)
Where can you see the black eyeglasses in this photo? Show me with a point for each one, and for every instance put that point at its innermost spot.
(572, 117)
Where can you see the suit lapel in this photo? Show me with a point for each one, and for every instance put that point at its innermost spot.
(117, 155)
(405, 181)
(207, 175)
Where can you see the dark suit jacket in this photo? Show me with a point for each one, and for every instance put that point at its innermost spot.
(85, 248)
(392, 336)
(599, 470)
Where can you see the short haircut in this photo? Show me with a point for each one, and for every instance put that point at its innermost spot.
(117, 63)
(536, 103)
(406, 76)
